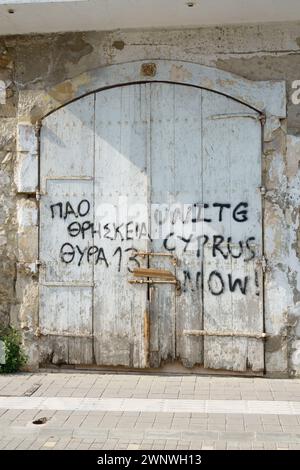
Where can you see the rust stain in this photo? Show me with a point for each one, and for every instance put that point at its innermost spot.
(152, 272)
(148, 70)
(118, 45)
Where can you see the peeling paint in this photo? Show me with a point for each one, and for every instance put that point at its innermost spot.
(179, 74)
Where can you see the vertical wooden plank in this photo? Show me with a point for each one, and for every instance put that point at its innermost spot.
(121, 184)
(66, 173)
(189, 228)
(163, 321)
(232, 290)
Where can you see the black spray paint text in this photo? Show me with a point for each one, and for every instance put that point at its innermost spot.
(189, 213)
(190, 239)
(215, 281)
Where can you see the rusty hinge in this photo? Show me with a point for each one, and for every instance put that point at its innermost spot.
(262, 119)
(37, 128)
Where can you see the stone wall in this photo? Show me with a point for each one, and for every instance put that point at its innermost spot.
(31, 65)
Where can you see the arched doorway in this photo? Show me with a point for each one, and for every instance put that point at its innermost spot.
(164, 178)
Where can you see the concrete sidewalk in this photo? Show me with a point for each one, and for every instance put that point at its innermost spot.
(133, 411)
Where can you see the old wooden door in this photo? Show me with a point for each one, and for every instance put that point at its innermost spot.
(162, 169)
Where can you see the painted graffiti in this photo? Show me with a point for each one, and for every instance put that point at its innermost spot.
(184, 229)
(160, 213)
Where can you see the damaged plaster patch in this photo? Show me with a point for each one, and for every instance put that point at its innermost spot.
(74, 48)
(68, 90)
(63, 92)
(263, 66)
(49, 59)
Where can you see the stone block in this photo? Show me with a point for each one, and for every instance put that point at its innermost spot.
(26, 174)
(27, 231)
